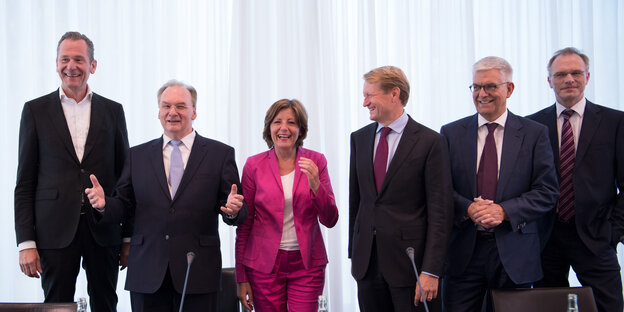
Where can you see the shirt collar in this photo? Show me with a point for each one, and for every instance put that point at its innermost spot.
(398, 125)
(501, 120)
(63, 96)
(579, 107)
(187, 140)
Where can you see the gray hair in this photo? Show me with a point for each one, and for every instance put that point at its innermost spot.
(494, 62)
(177, 83)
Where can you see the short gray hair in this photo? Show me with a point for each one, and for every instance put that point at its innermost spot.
(177, 83)
(494, 62)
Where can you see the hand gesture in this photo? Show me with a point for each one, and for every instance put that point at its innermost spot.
(311, 171)
(234, 202)
(96, 194)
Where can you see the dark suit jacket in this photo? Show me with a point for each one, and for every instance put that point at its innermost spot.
(50, 179)
(527, 189)
(166, 229)
(414, 207)
(598, 174)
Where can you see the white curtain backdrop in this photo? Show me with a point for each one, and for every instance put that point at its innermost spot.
(243, 55)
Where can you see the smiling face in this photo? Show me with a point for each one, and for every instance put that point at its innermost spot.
(568, 78)
(285, 130)
(383, 107)
(176, 112)
(491, 105)
(74, 67)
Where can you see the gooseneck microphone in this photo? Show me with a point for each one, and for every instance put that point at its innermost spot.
(410, 254)
(189, 260)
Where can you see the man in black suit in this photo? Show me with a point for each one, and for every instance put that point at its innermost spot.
(400, 196)
(174, 188)
(504, 182)
(65, 136)
(589, 221)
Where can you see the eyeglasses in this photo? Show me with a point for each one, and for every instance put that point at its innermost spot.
(575, 74)
(489, 88)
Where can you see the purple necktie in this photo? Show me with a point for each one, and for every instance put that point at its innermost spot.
(487, 175)
(566, 168)
(381, 158)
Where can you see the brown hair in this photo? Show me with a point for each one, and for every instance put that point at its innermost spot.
(389, 77)
(74, 35)
(569, 51)
(301, 117)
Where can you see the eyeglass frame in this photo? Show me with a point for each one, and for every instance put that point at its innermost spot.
(488, 88)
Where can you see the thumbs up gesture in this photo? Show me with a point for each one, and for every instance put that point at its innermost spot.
(234, 202)
(96, 194)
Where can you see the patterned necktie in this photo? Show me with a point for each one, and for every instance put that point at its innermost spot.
(381, 158)
(566, 167)
(487, 175)
(176, 166)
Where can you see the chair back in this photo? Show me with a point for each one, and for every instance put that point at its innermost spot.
(542, 299)
(39, 307)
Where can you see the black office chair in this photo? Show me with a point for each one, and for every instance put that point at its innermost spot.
(542, 299)
(39, 307)
(228, 297)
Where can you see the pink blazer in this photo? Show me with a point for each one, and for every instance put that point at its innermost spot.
(258, 239)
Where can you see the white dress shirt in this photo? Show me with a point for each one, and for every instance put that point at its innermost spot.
(78, 117)
(393, 137)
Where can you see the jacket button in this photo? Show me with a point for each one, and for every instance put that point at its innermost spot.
(171, 210)
(167, 237)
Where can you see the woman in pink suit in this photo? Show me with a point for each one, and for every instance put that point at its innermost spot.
(280, 254)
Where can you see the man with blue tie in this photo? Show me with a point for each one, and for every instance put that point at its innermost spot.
(174, 189)
(504, 180)
(588, 142)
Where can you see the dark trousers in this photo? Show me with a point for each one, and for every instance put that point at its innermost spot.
(470, 291)
(374, 293)
(167, 299)
(601, 272)
(61, 267)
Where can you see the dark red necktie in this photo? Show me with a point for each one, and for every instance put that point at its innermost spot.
(566, 166)
(381, 158)
(487, 175)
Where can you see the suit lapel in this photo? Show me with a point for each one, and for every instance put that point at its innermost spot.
(55, 111)
(95, 124)
(470, 146)
(591, 120)
(408, 141)
(365, 155)
(512, 140)
(198, 153)
(274, 165)
(298, 174)
(550, 120)
(156, 155)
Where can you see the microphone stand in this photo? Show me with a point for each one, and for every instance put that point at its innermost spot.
(410, 254)
(189, 260)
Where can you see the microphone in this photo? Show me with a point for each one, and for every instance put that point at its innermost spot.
(189, 260)
(410, 254)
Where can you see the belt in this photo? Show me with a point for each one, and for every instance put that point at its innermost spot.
(485, 235)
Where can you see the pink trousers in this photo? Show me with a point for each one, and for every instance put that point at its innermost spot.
(289, 286)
